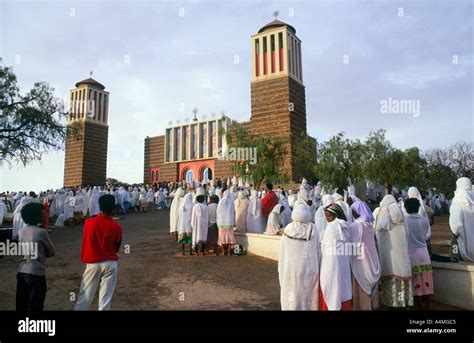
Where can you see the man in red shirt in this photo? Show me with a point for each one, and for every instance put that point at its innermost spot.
(269, 200)
(101, 241)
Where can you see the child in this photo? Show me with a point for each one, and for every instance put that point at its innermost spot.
(31, 280)
(199, 224)
(212, 233)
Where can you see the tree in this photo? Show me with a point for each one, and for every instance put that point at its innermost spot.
(270, 155)
(305, 155)
(30, 124)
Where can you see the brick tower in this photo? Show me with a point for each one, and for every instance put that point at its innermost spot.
(277, 91)
(86, 143)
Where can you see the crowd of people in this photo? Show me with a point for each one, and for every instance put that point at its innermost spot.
(336, 253)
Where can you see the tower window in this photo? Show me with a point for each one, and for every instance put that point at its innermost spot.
(280, 48)
(265, 69)
(272, 47)
(257, 57)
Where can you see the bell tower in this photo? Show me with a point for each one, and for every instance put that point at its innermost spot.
(277, 92)
(87, 135)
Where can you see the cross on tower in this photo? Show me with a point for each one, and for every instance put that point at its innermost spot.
(276, 14)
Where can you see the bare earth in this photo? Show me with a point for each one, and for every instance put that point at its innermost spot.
(152, 277)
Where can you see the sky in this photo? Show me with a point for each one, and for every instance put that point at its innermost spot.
(160, 59)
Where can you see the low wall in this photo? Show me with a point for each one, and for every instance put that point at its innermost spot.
(267, 246)
(454, 284)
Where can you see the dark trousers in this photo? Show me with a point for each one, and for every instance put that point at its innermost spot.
(30, 292)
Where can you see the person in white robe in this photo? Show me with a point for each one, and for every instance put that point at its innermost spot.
(94, 208)
(150, 199)
(52, 207)
(241, 206)
(85, 202)
(135, 199)
(69, 204)
(392, 243)
(304, 196)
(255, 220)
(320, 217)
(292, 197)
(335, 279)
(60, 198)
(461, 218)
(275, 221)
(413, 192)
(366, 265)
(18, 222)
(339, 200)
(298, 263)
(199, 224)
(3, 211)
(184, 223)
(175, 204)
(286, 215)
(225, 218)
(219, 193)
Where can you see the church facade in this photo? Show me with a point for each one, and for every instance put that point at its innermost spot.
(192, 151)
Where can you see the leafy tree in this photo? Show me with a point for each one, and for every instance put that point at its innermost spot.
(271, 154)
(30, 124)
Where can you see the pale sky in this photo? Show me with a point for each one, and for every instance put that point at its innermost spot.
(182, 53)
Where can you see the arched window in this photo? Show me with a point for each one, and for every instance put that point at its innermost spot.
(206, 174)
(189, 175)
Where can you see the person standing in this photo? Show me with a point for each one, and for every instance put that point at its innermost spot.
(418, 226)
(335, 271)
(199, 224)
(241, 206)
(392, 242)
(365, 266)
(101, 241)
(31, 280)
(269, 200)
(298, 262)
(461, 218)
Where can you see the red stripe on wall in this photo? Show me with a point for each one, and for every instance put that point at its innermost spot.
(273, 61)
(265, 71)
(281, 59)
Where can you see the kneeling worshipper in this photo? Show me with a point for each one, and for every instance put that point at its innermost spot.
(366, 266)
(392, 242)
(199, 224)
(184, 223)
(225, 222)
(255, 220)
(275, 221)
(335, 279)
(298, 262)
(241, 205)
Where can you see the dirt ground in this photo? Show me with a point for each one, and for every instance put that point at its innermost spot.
(152, 277)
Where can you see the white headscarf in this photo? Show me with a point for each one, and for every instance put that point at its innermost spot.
(225, 210)
(301, 226)
(464, 193)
